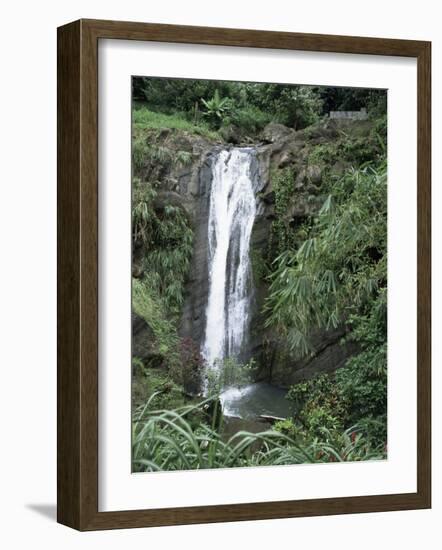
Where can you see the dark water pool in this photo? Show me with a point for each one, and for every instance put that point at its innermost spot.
(255, 400)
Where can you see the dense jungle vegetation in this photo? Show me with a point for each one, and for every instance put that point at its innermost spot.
(327, 272)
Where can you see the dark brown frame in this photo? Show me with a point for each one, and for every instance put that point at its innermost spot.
(77, 461)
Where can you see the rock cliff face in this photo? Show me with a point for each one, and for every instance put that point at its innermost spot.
(188, 186)
(197, 287)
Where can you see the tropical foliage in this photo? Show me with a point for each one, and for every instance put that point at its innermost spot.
(340, 270)
(192, 104)
(165, 233)
(169, 440)
(335, 277)
(216, 108)
(162, 239)
(326, 271)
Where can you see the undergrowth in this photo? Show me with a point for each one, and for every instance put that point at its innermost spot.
(167, 440)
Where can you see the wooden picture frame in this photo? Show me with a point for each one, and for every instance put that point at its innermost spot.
(78, 274)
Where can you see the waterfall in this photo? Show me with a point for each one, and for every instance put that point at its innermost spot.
(232, 212)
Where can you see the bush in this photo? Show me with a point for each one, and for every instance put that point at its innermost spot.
(318, 406)
(165, 233)
(216, 109)
(168, 440)
(147, 382)
(250, 120)
(341, 267)
(229, 373)
(147, 304)
(355, 395)
(282, 236)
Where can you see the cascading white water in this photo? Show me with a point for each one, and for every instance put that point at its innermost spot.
(231, 215)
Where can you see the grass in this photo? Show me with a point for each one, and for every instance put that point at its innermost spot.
(143, 118)
(148, 305)
(148, 381)
(164, 440)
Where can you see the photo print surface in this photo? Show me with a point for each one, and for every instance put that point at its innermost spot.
(259, 274)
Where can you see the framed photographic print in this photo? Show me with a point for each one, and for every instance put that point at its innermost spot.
(243, 275)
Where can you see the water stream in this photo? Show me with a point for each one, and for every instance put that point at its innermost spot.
(232, 212)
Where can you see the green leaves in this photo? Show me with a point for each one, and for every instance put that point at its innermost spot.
(355, 395)
(166, 440)
(328, 282)
(338, 275)
(164, 232)
(340, 268)
(184, 158)
(216, 108)
(307, 250)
